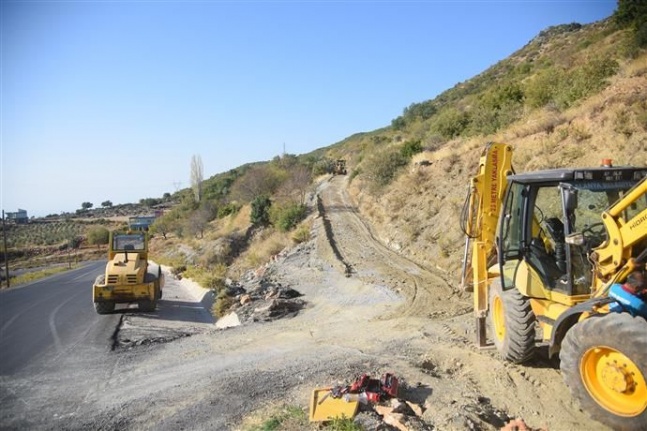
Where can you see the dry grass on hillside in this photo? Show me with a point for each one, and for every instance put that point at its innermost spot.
(419, 212)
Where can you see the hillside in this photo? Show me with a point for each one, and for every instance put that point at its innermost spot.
(415, 207)
(570, 97)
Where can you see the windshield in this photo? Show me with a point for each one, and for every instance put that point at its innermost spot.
(128, 242)
(593, 198)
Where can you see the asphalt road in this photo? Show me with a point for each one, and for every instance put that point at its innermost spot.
(58, 357)
(46, 319)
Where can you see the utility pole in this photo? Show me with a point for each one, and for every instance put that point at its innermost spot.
(6, 254)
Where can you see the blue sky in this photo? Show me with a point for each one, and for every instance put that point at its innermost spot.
(109, 100)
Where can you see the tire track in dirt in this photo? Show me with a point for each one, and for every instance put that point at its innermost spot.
(358, 249)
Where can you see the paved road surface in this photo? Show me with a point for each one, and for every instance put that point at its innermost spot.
(57, 356)
(45, 319)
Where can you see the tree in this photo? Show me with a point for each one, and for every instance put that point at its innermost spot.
(197, 222)
(164, 224)
(106, 204)
(86, 205)
(98, 235)
(196, 177)
(149, 202)
(298, 183)
(257, 181)
(633, 14)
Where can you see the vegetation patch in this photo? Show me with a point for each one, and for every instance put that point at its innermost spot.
(37, 275)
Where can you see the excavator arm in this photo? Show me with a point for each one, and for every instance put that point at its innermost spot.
(624, 234)
(479, 223)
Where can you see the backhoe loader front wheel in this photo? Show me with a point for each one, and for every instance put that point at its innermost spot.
(604, 364)
(512, 324)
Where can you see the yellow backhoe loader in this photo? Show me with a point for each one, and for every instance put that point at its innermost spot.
(556, 258)
(128, 276)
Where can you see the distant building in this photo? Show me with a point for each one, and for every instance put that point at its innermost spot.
(140, 223)
(18, 217)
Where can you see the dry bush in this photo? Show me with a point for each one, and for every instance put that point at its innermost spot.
(222, 305)
(544, 121)
(451, 162)
(238, 222)
(263, 248)
(579, 131)
(301, 233)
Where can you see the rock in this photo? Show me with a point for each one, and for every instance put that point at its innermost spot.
(235, 290)
(396, 420)
(369, 421)
(229, 321)
(244, 299)
(401, 407)
(383, 410)
(417, 410)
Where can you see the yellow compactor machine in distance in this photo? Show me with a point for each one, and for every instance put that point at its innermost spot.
(128, 276)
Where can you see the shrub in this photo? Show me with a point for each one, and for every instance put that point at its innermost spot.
(228, 209)
(301, 234)
(323, 166)
(541, 90)
(383, 166)
(411, 148)
(287, 216)
(566, 88)
(222, 305)
(260, 211)
(450, 123)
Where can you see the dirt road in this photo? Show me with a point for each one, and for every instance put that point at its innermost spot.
(368, 310)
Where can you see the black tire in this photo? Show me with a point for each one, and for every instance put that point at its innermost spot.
(104, 307)
(613, 346)
(512, 324)
(147, 304)
(151, 276)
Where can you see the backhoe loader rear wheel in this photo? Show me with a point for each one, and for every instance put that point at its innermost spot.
(604, 364)
(512, 324)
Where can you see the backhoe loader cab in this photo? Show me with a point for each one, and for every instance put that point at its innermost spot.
(549, 252)
(550, 223)
(128, 276)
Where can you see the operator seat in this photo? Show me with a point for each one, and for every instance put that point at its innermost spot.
(550, 266)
